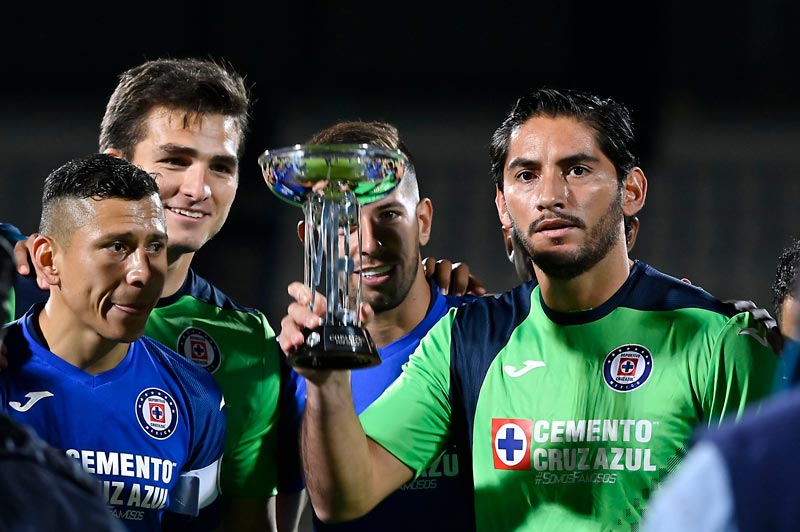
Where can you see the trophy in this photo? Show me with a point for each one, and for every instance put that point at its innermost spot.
(330, 183)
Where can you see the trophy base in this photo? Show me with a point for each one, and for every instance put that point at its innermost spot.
(336, 347)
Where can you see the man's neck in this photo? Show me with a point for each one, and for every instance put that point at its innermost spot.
(590, 289)
(69, 340)
(391, 325)
(177, 271)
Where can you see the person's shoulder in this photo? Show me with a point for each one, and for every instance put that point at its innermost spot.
(18, 349)
(504, 310)
(203, 290)
(11, 232)
(185, 370)
(651, 289)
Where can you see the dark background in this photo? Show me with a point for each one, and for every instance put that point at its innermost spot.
(713, 90)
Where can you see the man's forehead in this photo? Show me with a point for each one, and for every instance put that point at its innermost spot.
(145, 211)
(163, 124)
(561, 137)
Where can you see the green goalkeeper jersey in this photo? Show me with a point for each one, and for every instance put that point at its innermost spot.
(237, 346)
(573, 419)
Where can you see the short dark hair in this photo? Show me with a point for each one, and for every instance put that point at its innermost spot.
(786, 282)
(610, 121)
(97, 176)
(381, 134)
(195, 86)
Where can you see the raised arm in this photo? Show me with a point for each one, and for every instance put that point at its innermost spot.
(347, 473)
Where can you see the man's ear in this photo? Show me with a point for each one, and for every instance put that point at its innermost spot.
(502, 211)
(45, 259)
(425, 220)
(634, 192)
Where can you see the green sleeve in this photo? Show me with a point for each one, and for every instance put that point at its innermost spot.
(741, 371)
(250, 460)
(8, 309)
(411, 419)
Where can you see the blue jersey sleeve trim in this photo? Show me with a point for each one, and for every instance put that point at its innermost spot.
(645, 289)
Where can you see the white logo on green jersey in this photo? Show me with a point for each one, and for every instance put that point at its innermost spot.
(755, 334)
(527, 366)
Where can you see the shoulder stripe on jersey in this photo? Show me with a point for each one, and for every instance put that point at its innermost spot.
(480, 330)
(199, 288)
(647, 289)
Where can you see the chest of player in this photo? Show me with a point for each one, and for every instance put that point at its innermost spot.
(588, 415)
(131, 433)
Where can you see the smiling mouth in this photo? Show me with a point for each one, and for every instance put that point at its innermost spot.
(375, 272)
(184, 212)
(133, 309)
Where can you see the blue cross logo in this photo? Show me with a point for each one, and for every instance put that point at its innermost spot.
(199, 350)
(157, 412)
(509, 444)
(627, 366)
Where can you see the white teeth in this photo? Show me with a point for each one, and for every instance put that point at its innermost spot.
(374, 272)
(190, 214)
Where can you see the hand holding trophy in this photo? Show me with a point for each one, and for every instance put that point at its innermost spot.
(331, 182)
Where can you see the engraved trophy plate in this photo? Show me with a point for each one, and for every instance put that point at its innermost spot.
(330, 183)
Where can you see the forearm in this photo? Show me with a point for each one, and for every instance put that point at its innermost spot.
(336, 455)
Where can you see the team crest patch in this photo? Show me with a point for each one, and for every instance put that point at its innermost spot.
(196, 345)
(627, 367)
(511, 443)
(156, 412)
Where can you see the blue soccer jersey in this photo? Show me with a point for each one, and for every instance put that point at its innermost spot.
(151, 429)
(441, 497)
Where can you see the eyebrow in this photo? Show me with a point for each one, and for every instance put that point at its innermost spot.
(126, 235)
(178, 149)
(518, 162)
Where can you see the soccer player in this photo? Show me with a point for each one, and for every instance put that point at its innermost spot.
(42, 489)
(148, 423)
(570, 399)
(185, 120)
(406, 305)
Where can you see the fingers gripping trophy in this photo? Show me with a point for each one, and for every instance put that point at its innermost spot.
(330, 183)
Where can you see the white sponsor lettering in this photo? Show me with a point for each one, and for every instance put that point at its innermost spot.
(138, 496)
(124, 464)
(592, 430)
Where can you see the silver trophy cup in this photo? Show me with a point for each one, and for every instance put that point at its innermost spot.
(331, 182)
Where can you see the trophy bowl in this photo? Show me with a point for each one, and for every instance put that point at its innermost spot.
(330, 183)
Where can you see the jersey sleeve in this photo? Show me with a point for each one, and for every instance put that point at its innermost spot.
(411, 419)
(198, 484)
(742, 369)
(251, 458)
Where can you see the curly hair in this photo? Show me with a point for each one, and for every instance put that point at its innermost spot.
(786, 276)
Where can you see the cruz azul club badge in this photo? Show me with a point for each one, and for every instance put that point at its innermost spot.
(156, 412)
(198, 346)
(627, 367)
(511, 439)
